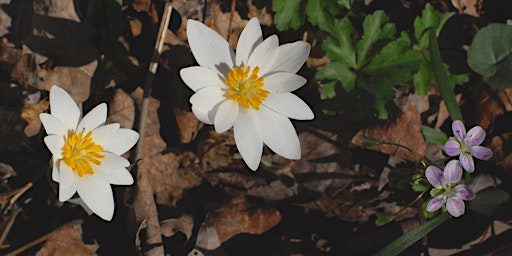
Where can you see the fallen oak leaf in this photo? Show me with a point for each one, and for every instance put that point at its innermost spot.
(30, 113)
(67, 240)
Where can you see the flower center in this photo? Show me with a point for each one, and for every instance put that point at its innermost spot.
(79, 152)
(246, 87)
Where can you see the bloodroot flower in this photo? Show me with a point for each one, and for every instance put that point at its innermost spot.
(467, 145)
(446, 191)
(249, 91)
(86, 152)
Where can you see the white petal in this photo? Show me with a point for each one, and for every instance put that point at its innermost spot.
(119, 143)
(103, 134)
(226, 115)
(66, 191)
(55, 144)
(198, 77)
(52, 124)
(209, 48)
(203, 115)
(249, 38)
(111, 161)
(97, 195)
(286, 58)
(283, 82)
(289, 105)
(247, 141)
(64, 108)
(55, 172)
(67, 175)
(277, 133)
(207, 100)
(96, 117)
(263, 52)
(115, 176)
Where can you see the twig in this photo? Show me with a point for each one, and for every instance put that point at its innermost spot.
(29, 245)
(153, 66)
(232, 12)
(144, 203)
(15, 211)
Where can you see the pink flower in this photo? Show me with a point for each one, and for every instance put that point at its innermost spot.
(467, 145)
(446, 191)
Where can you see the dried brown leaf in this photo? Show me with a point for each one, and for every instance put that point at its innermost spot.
(30, 113)
(469, 7)
(242, 217)
(67, 240)
(121, 110)
(188, 124)
(64, 9)
(406, 131)
(183, 224)
(75, 80)
(220, 22)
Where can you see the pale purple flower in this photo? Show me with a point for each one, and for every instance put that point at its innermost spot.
(446, 191)
(467, 145)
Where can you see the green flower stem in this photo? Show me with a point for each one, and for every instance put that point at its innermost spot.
(442, 78)
(407, 239)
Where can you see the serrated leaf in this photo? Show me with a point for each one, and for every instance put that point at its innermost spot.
(340, 72)
(394, 65)
(289, 14)
(340, 48)
(320, 13)
(490, 54)
(376, 29)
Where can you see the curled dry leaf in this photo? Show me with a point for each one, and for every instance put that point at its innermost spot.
(409, 121)
(183, 224)
(5, 22)
(217, 152)
(241, 216)
(121, 110)
(30, 113)
(207, 237)
(67, 240)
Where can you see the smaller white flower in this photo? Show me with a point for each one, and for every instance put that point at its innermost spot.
(250, 91)
(86, 152)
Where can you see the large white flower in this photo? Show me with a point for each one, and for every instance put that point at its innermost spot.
(86, 152)
(250, 91)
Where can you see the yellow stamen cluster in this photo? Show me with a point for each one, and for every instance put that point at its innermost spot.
(246, 87)
(79, 152)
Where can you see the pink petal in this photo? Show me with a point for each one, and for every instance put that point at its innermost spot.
(464, 192)
(475, 136)
(453, 171)
(466, 160)
(435, 176)
(455, 206)
(459, 131)
(481, 153)
(452, 148)
(435, 204)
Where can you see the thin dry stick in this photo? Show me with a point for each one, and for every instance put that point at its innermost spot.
(232, 12)
(153, 66)
(145, 197)
(14, 213)
(29, 245)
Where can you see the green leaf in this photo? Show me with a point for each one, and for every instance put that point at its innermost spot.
(340, 72)
(320, 13)
(424, 78)
(289, 14)
(346, 3)
(409, 238)
(443, 79)
(376, 30)
(394, 65)
(490, 54)
(433, 136)
(488, 201)
(328, 91)
(384, 218)
(340, 48)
